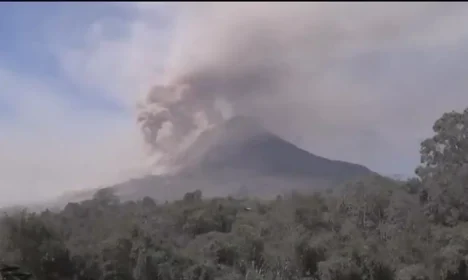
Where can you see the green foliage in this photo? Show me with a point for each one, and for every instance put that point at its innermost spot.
(372, 229)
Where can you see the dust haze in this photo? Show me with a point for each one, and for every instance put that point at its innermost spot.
(289, 66)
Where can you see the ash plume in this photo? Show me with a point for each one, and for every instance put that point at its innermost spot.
(283, 64)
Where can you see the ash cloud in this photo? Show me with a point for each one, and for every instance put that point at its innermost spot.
(288, 65)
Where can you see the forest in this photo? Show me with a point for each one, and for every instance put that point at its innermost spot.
(373, 228)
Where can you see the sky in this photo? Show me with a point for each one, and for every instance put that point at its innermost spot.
(71, 74)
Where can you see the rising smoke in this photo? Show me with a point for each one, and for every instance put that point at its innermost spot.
(280, 63)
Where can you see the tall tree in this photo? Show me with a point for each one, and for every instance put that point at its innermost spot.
(444, 168)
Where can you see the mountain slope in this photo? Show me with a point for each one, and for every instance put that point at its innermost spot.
(242, 144)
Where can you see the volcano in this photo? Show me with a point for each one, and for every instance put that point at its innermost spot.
(241, 157)
(244, 145)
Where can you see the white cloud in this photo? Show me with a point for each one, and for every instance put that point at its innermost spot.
(123, 67)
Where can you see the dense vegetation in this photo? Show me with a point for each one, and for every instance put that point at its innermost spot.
(375, 228)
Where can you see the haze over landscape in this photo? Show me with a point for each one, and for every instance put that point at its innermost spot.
(233, 141)
(96, 94)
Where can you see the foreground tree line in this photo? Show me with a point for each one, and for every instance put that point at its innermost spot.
(374, 228)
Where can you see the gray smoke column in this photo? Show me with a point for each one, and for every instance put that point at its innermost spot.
(278, 63)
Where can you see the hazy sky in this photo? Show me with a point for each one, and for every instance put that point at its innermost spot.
(70, 74)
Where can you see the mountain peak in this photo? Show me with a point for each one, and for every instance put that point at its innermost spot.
(242, 122)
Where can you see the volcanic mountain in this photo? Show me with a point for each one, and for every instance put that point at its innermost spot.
(240, 157)
(242, 144)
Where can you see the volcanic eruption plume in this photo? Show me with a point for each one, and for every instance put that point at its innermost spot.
(172, 116)
(287, 65)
